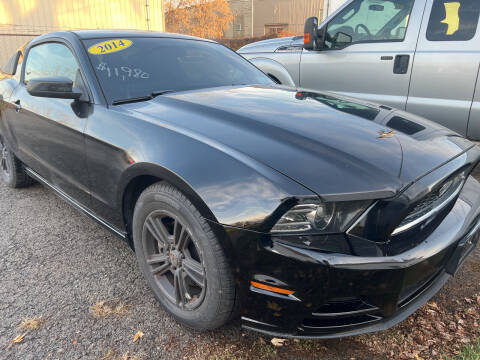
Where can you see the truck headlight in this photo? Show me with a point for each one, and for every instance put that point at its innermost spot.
(320, 217)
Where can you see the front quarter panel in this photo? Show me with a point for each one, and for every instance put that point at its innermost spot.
(229, 187)
(277, 71)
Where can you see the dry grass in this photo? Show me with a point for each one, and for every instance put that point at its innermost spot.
(107, 308)
(33, 323)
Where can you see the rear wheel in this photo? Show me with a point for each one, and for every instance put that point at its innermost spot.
(181, 258)
(11, 169)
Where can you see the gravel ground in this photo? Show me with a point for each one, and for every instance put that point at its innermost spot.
(56, 263)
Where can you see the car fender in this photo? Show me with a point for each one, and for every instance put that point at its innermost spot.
(274, 70)
(241, 192)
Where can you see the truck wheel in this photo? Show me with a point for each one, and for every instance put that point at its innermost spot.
(11, 169)
(181, 258)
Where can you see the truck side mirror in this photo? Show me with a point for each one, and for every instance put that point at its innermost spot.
(310, 36)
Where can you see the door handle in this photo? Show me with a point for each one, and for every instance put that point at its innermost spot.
(17, 105)
(400, 66)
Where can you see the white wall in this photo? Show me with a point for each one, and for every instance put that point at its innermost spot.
(331, 5)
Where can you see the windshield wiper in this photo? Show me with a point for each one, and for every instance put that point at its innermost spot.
(141, 98)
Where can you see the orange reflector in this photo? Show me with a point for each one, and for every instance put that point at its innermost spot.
(306, 38)
(271, 288)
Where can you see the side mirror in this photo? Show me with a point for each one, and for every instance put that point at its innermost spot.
(310, 36)
(376, 7)
(341, 39)
(53, 87)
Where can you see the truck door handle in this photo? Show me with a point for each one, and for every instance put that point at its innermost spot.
(400, 66)
(18, 107)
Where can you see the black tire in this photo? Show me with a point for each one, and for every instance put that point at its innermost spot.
(11, 169)
(188, 240)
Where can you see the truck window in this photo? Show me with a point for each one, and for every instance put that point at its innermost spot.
(369, 21)
(453, 20)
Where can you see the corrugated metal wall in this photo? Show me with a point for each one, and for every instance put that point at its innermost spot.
(22, 20)
(290, 12)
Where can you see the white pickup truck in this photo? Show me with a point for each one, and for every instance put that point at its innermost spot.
(421, 56)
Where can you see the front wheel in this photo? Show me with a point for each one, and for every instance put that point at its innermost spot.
(181, 258)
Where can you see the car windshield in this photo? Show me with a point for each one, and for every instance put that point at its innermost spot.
(130, 68)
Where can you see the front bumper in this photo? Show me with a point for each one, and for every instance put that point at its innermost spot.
(342, 295)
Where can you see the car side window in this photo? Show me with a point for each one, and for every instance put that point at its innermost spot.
(453, 20)
(50, 59)
(369, 21)
(11, 66)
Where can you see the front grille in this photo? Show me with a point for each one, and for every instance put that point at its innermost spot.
(433, 203)
(426, 205)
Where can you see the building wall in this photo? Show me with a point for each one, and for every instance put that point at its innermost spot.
(289, 15)
(242, 19)
(22, 20)
(292, 13)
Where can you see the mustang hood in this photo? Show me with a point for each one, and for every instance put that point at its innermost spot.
(333, 145)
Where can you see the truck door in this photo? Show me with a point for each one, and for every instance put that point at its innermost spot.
(368, 52)
(446, 63)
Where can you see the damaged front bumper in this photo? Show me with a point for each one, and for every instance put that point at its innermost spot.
(338, 295)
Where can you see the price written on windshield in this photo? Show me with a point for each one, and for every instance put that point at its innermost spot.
(123, 72)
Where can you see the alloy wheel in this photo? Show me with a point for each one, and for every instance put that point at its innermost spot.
(174, 259)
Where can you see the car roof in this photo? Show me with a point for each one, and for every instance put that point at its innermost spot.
(92, 34)
(98, 34)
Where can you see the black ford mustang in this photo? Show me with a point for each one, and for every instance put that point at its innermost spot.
(308, 214)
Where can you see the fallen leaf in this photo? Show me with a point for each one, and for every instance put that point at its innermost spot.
(471, 311)
(19, 338)
(75, 342)
(137, 336)
(278, 342)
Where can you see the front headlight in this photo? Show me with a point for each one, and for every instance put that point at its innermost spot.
(320, 217)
